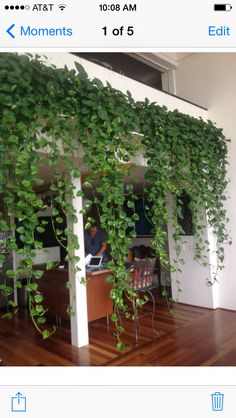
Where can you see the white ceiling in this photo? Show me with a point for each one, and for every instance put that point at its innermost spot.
(178, 56)
(163, 61)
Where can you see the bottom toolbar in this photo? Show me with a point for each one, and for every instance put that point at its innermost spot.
(117, 401)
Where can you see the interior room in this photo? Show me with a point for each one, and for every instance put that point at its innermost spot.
(158, 289)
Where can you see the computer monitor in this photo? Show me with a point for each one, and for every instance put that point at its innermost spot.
(95, 261)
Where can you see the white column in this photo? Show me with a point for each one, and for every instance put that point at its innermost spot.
(78, 297)
(213, 266)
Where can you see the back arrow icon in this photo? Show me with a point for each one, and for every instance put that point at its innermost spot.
(9, 31)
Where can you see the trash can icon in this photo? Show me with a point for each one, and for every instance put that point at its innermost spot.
(217, 400)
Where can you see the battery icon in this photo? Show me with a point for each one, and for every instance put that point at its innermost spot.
(222, 7)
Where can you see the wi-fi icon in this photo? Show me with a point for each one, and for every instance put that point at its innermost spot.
(62, 6)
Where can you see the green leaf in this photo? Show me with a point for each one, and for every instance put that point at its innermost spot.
(7, 315)
(59, 220)
(68, 285)
(13, 139)
(46, 334)
(19, 284)
(40, 229)
(102, 114)
(98, 83)
(87, 184)
(114, 318)
(130, 204)
(41, 320)
(10, 274)
(4, 226)
(50, 265)
(55, 212)
(82, 73)
(20, 230)
(38, 298)
(165, 293)
(140, 303)
(79, 193)
(120, 329)
(120, 346)
(6, 290)
(31, 287)
(26, 183)
(38, 274)
(12, 303)
(39, 309)
(38, 245)
(69, 310)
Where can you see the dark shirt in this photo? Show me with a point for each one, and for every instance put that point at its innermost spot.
(93, 244)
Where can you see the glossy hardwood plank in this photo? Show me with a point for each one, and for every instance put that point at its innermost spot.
(192, 336)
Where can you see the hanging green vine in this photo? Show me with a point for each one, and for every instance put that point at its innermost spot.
(49, 117)
(185, 153)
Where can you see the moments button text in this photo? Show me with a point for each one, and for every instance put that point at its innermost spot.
(45, 32)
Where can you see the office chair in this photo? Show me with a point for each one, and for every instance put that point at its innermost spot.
(142, 282)
(144, 252)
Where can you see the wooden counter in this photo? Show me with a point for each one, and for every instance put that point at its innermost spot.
(98, 295)
(56, 296)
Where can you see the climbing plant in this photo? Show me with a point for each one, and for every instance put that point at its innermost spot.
(50, 119)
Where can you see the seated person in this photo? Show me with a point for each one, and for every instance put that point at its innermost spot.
(137, 254)
(142, 253)
(95, 241)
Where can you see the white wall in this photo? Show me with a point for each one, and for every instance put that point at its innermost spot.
(193, 278)
(42, 257)
(209, 79)
(139, 91)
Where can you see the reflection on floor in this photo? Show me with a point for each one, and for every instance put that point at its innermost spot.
(192, 336)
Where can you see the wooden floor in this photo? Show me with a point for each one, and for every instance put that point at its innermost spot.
(191, 337)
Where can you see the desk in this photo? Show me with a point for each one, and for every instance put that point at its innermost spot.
(98, 295)
(56, 296)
